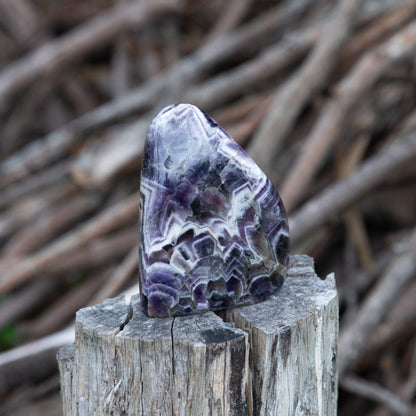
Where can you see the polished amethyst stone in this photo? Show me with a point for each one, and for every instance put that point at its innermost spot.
(214, 232)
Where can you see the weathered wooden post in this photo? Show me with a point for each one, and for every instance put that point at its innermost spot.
(277, 357)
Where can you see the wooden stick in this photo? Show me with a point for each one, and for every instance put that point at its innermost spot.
(22, 20)
(374, 9)
(31, 207)
(290, 100)
(120, 68)
(106, 221)
(401, 321)
(229, 19)
(35, 399)
(102, 160)
(272, 60)
(49, 148)
(31, 361)
(330, 123)
(236, 112)
(353, 339)
(208, 95)
(374, 391)
(56, 54)
(119, 278)
(97, 253)
(376, 32)
(51, 176)
(25, 300)
(336, 197)
(62, 311)
(78, 93)
(354, 222)
(43, 230)
(352, 216)
(16, 124)
(242, 131)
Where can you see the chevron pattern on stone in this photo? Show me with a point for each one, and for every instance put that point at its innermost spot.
(213, 230)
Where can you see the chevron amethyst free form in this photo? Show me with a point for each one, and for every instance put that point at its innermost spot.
(214, 232)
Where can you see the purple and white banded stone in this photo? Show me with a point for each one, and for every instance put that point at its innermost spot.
(213, 230)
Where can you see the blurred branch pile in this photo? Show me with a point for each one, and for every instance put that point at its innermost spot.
(322, 94)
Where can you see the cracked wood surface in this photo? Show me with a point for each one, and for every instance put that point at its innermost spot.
(274, 358)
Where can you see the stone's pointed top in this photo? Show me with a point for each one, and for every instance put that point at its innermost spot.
(213, 230)
(175, 110)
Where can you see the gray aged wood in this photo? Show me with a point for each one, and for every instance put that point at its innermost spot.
(274, 358)
(293, 340)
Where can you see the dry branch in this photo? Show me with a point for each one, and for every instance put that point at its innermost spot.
(378, 31)
(101, 160)
(32, 361)
(48, 177)
(40, 232)
(25, 209)
(118, 278)
(56, 54)
(290, 100)
(353, 339)
(95, 168)
(230, 18)
(272, 60)
(47, 149)
(236, 112)
(62, 312)
(17, 123)
(334, 115)
(106, 221)
(378, 393)
(402, 319)
(243, 130)
(353, 217)
(400, 323)
(336, 197)
(27, 299)
(97, 253)
(22, 20)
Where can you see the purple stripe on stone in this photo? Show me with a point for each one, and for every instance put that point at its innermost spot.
(213, 229)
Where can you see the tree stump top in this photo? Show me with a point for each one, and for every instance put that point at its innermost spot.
(277, 357)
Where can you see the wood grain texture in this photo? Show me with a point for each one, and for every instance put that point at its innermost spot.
(274, 358)
(293, 340)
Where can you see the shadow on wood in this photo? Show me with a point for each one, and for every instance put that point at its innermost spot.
(274, 358)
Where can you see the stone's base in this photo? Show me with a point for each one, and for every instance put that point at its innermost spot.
(277, 357)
